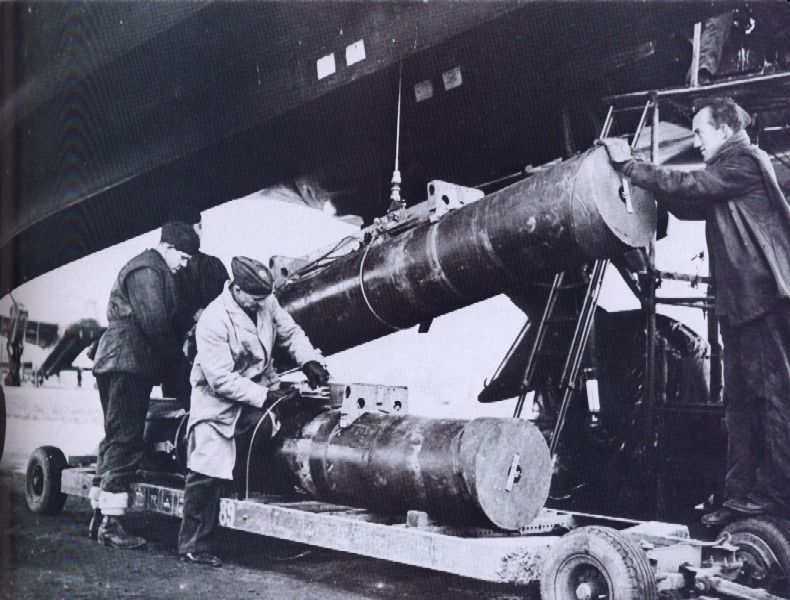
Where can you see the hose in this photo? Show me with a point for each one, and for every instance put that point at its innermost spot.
(268, 414)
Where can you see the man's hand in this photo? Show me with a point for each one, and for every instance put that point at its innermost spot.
(316, 374)
(618, 150)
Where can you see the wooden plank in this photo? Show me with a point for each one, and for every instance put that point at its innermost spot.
(668, 559)
(509, 559)
(326, 508)
(477, 553)
(314, 506)
(81, 461)
(77, 482)
(145, 497)
(658, 533)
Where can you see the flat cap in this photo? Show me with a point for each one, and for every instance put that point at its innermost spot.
(181, 236)
(252, 276)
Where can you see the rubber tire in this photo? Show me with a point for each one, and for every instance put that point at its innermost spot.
(51, 462)
(618, 557)
(775, 532)
(2, 422)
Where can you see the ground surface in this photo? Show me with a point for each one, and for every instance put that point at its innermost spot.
(51, 557)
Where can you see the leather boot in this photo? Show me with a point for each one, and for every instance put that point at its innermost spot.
(111, 533)
(746, 506)
(93, 528)
(205, 559)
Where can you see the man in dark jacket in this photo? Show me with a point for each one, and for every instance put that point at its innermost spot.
(197, 284)
(140, 341)
(747, 226)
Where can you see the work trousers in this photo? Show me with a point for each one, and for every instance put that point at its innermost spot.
(202, 492)
(757, 398)
(175, 384)
(124, 398)
(201, 511)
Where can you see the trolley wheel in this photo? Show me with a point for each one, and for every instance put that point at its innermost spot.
(42, 489)
(592, 563)
(764, 547)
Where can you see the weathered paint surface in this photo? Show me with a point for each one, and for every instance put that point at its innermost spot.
(509, 559)
(455, 470)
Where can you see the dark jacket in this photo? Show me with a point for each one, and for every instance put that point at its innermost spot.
(747, 223)
(141, 337)
(200, 282)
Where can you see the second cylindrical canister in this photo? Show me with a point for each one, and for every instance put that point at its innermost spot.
(570, 214)
(488, 471)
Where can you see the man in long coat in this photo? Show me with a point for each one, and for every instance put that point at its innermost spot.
(747, 226)
(140, 339)
(233, 369)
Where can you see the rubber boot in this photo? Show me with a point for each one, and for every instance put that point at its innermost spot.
(111, 533)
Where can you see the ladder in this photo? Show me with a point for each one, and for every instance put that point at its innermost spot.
(567, 385)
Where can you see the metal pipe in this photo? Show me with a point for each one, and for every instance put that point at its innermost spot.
(716, 375)
(640, 127)
(650, 305)
(459, 472)
(654, 133)
(562, 217)
(685, 299)
(669, 275)
(695, 53)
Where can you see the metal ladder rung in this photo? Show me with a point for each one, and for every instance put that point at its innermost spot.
(625, 109)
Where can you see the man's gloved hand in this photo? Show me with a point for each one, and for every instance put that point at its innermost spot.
(618, 150)
(316, 374)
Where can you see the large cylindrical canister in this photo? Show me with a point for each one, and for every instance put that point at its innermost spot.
(573, 212)
(488, 471)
